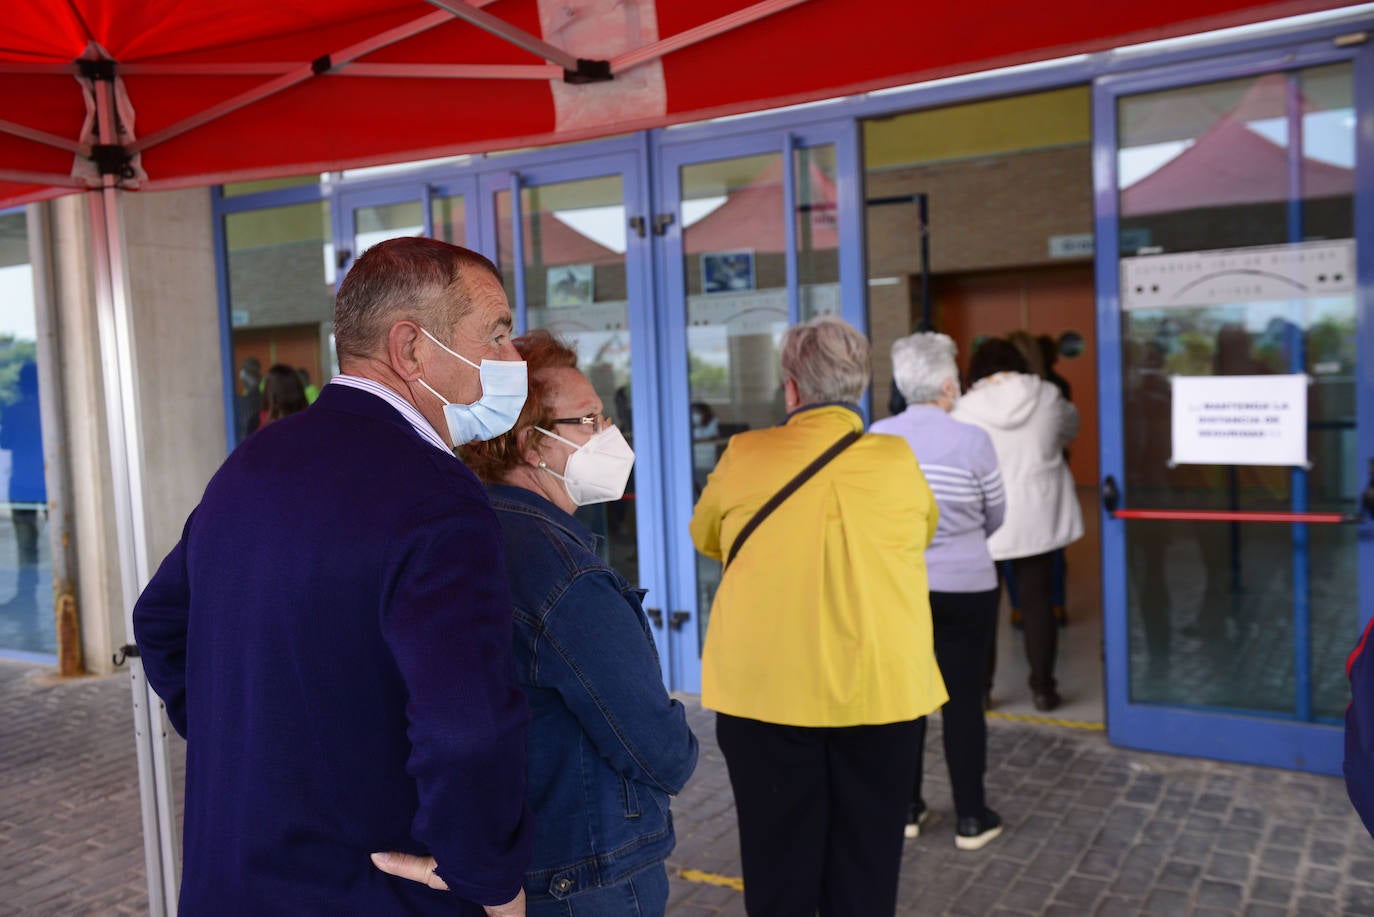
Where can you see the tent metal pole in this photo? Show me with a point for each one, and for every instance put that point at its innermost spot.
(115, 323)
(148, 730)
(296, 74)
(57, 180)
(706, 30)
(43, 137)
(504, 30)
(454, 71)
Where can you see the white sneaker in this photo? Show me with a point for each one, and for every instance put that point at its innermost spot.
(916, 815)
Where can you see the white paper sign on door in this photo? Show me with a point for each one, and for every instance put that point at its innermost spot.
(1240, 420)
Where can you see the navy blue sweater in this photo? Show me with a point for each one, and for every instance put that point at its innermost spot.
(332, 635)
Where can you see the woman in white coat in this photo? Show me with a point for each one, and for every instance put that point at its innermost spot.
(1030, 424)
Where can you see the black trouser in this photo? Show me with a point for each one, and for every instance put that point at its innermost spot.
(964, 626)
(1034, 577)
(820, 813)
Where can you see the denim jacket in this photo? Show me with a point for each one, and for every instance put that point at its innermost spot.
(607, 746)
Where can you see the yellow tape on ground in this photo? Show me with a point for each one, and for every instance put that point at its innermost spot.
(710, 878)
(1046, 721)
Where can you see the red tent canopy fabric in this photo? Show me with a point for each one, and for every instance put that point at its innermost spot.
(262, 88)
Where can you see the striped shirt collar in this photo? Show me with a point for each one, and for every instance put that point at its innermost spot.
(407, 410)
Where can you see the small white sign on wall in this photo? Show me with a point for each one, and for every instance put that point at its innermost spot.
(1078, 245)
(1240, 420)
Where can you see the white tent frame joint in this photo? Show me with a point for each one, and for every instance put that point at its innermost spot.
(109, 158)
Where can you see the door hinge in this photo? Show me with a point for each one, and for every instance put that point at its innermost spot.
(638, 225)
(661, 223)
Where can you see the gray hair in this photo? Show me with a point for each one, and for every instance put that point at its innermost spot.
(828, 359)
(921, 363)
(414, 278)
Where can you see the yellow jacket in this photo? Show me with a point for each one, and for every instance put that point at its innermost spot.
(823, 619)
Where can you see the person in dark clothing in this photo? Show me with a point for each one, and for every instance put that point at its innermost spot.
(283, 394)
(247, 398)
(332, 633)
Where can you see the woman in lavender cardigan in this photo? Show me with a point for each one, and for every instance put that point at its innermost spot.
(959, 462)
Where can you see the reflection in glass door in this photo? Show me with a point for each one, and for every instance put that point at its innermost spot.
(736, 237)
(574, 282)
(1241, 596)
(26, 597)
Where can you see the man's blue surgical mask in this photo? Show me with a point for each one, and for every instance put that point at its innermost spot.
(505, 384)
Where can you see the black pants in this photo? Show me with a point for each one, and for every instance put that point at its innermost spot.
(964, 626)
(820, 814)
(1034, 590)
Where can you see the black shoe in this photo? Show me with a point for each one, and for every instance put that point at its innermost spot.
(1045, 701)
(973, 833)
(916, 815)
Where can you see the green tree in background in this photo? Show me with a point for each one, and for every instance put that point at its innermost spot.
(708, 381)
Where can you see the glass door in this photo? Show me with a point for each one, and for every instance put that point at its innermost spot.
(1235, 439)
(570, 238)
(389, 210)
(755, 235)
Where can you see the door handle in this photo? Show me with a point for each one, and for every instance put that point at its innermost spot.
(655, 615)
(678, 618)
(1111, 494)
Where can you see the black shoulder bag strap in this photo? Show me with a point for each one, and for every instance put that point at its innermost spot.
(841, 444)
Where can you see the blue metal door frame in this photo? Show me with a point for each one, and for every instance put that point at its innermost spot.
(625, 157)
(1225, 735)
(670, 153)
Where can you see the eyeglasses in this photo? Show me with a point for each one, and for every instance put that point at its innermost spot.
(597, 422)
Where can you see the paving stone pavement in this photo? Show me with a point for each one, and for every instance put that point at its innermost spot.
(1091, 829)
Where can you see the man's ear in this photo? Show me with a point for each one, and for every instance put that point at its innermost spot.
(403, 343)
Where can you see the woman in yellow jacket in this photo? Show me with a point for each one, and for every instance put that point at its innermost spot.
(819, 657)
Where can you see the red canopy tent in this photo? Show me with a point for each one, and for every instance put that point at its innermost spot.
(124, 94)
(263, 88)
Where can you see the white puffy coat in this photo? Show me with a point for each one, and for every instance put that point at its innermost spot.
(1030, 424)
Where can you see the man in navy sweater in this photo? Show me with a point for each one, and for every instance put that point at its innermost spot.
(332, 634)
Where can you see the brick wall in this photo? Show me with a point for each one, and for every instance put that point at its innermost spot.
(985, 212)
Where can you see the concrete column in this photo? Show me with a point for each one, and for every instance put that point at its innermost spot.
(171, 269)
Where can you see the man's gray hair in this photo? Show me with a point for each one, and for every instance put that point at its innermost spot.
(828, 359)
(921, 363)
(424, 280)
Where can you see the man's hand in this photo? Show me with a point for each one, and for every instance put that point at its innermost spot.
(421, 869)
(408, 866)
